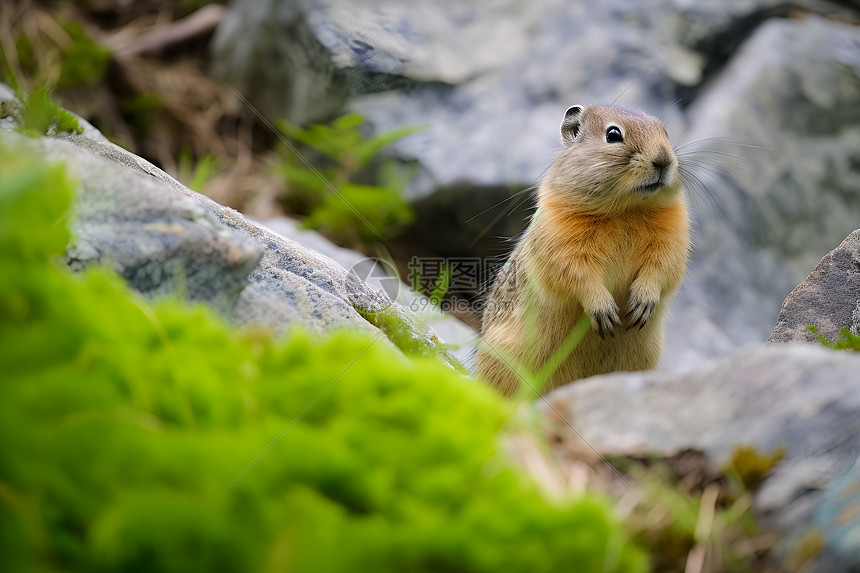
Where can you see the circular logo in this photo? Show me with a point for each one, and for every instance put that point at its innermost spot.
(378, 274)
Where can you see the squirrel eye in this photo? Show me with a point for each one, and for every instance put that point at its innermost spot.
(613, 135)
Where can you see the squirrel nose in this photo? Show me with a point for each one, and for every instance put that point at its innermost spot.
(662, 160)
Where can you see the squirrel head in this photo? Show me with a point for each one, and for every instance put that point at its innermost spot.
(613, 158)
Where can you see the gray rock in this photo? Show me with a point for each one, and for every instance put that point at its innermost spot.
(383, 278)
(157, 233)
(829, 298)
(792, 88)
(160, 242)
(801, 397)
(165, 238)
(481, 75)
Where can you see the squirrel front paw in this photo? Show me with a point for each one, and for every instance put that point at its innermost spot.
(639, 310)
(606, 319)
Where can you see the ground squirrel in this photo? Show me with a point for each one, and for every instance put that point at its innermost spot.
(610, 238)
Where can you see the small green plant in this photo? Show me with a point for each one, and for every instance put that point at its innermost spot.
(57, 52)
(35, 113)
(846, 341)
(751, 467)
(807, 549)
(196, 176)
(707, 520)
(440, 285)
(343, 196)
(83, 62)
(140, 110)
(185, 7)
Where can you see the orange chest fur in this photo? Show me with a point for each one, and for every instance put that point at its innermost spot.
(615, 247)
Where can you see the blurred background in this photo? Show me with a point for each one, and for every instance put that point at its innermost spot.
(419, 129)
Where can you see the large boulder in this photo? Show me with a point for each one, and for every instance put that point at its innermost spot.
(829, 298)
(164, 238)
(161, 243)
(803, 398)
(792, 88)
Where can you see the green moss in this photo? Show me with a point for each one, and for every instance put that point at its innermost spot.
(137, 437)
(36, 113)
(406, 336)
(846, 341)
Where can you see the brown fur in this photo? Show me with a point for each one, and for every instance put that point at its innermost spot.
(599, 244)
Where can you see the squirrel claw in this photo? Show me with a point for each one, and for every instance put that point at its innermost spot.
(605, 322)
(638, 313)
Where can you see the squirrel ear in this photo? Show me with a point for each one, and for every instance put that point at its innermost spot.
(571, 123)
